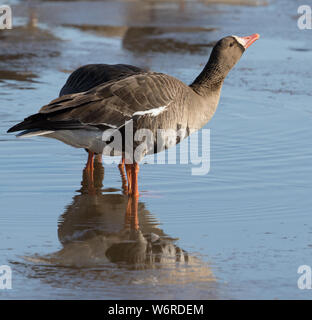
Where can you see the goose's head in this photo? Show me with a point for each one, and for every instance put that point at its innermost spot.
(229, 50)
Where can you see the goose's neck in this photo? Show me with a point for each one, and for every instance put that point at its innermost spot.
(210, 80)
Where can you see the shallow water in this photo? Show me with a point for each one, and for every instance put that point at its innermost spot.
(240, 231)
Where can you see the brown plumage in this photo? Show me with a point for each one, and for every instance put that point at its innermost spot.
(92, 75)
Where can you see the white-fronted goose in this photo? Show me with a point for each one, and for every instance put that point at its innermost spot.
(147, 100)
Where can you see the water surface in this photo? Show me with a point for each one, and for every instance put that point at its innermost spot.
(239, 232)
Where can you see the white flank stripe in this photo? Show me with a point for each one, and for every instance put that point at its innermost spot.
(30, 134)
(109, 125)
(152, 112)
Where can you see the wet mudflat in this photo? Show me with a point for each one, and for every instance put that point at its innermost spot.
(241, 231)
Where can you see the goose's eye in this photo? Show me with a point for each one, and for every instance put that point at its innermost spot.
(231, 44)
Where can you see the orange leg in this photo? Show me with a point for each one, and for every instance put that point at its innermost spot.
(134, 176)
(129, 176)
(88, 172)
(90, 163)
(121, 167)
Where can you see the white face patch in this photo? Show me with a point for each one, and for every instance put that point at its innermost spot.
(240, 40)
(152, 112)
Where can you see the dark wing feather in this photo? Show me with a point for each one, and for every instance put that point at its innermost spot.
(108, 104)
(92, 75)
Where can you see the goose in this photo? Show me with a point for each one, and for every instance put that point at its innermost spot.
(144, 101)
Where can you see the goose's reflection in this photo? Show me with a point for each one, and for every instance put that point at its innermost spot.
(100, 226)
(110, 240)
